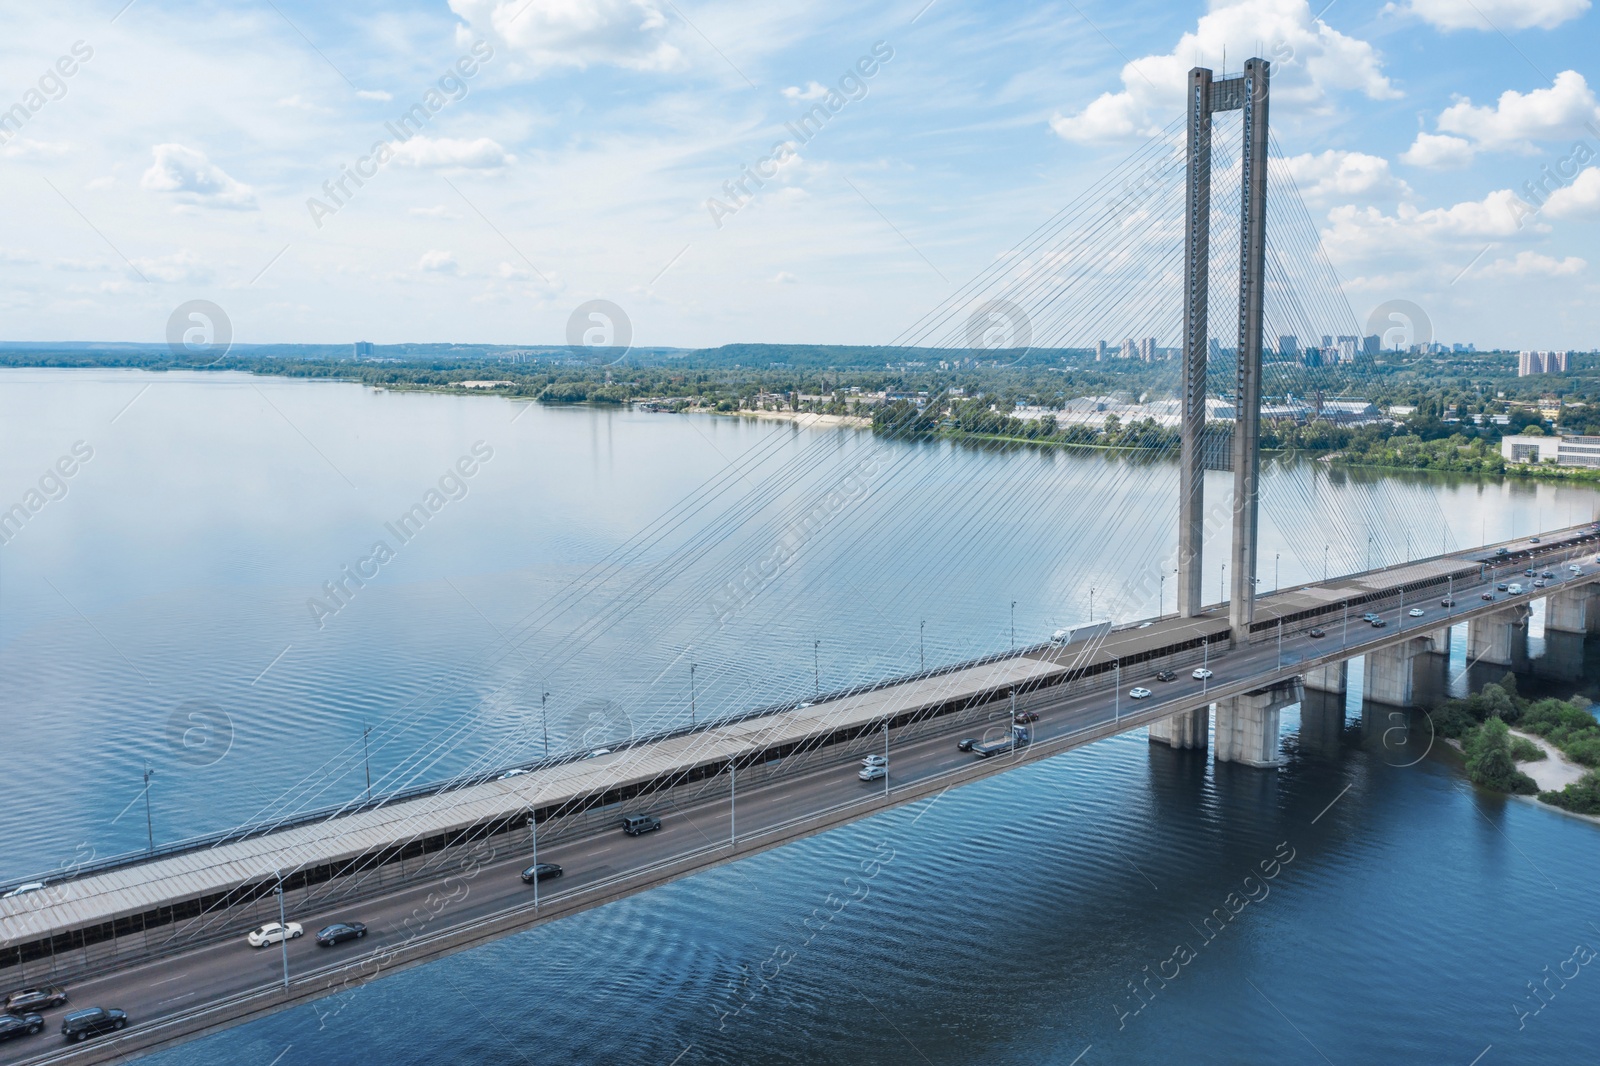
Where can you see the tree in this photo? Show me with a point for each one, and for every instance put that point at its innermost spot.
(1489, 761)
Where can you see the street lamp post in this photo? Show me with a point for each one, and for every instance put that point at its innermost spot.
(1222, 584)
(544, 722)
(733, 802)
(691, 695)
(922, 658)
(149, 823)
(886, 757)
(1280, 643)
(366, 757)
(1013, 623)
(1205, 665)
(283, 929)
(1116, 704)
(1275, 557)
(1161, 596)
(1344, 637)
(533, 832)
(1091, 603)
(1325, 562)
(816, 666)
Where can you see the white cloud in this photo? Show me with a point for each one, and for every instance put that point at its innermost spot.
(1531, 265)
(193, 179)
(1346, 176)
(814, 90)
(1581, 199)
(373, 94)
(1310, 61)
(783, 277)
(567, 33)
(1366, 233)
(481, 153)
(1517, 119)
(1492, 15)
(180, 266)
(300, 103)
(1438, 150)
(436, 211)
(438, 262)
(22, 148)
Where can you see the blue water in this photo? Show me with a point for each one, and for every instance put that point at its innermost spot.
(158, 613)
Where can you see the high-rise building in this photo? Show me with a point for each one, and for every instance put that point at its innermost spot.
(1147, 350)
(1370, 345)
(1099, 351)
(1288, 346)
(363, 349)
(1542, 362)
(1127, 351)
(1327, 340)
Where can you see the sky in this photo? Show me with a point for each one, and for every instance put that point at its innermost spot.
(559, 152)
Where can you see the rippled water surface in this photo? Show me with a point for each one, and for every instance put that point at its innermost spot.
(159, 612)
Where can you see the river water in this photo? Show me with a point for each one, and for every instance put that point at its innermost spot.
(204, 596)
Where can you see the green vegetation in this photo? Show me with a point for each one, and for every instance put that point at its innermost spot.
(1480, 723)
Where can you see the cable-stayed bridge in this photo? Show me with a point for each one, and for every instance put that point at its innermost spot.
(1197, 227)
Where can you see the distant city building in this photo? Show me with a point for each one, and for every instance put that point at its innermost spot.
(1564, 450)
(1311, 356)
(363, 349)
(1541, 362)
(1371, 345)
(1128, 351)
(1147, 350)
(1100, 349)
(1289, 346)
(1350, 412)
(1327, 340)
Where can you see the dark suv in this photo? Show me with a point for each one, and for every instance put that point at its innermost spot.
(635, 824)
(40, 997)
(82, 1024)
(26, 1025)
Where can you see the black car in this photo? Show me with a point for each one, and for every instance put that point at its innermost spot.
(965, 744)
(1378, 623)
(542, 871)
(82, 1024)
(1166, 675)
(1315, 633)
(1547, 575)
(637, 824)
(1488, 596)
(1026, 716)
(1447, 602)
(339, 932)
(37, 998)
(1502, 551)
(19, 1025)
(1501, 587)
(1533, 540)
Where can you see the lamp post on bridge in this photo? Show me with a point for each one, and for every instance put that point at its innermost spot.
(1013, 625)
(1091, 603)
(283, 928)
(1116, 705)
(1344, 637)
(366, 758)
(922, 658)
(1222, 584)
(1325, 562)
(533, 832)
(149, 823)
(1275, 583)
(691, 696)
(816, 666)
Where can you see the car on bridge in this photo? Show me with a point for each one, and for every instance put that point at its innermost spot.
(1200, 673)
(1487, 596)
(540, 871)
(1416, 612)
(339, 932)
(639, 824)
(1166, 675)
(873, 773)
(1502, 551)
(37, 998)
(1501, 587)
(1316, 633)
(82, 1024)
(1575, 568)
(1547, 575)
(875, 760)
(1368, 617)
(14, 1025)
(966, 743)
(272, 933)
(1513, 588)
(1139, 693)
(1378, 623)
(1026, 716)
(1448, 601)
(1539, 582)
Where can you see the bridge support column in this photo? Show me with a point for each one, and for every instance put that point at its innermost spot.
(1321, 721)
(1571, 611)
(1196, 344)
(1491, 639)
(1391, 675)
(1333, 677)
(1247, 725)
(1184, 730)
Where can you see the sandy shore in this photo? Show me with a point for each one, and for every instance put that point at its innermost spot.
(806, 418)
(1554, 772)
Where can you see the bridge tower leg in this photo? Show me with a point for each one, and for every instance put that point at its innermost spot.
(1197, 261)
(1248, 725)
(1247, 397)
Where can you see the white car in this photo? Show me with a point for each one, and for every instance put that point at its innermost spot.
(1200, 673)
(1416, 612)
(272, 933)
(873, 773)
(518, 772)
(22, 890)
(1575, 568)
(875, 760)
(1513, 588)
(596, 753)
(1138, 693)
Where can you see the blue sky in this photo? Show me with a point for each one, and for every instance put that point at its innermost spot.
(180, 158)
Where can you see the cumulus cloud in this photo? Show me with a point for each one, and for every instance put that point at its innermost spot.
(1438, 151)
(1531, 265)
(22, 148)
(1581, 199)
(481, 153)
(191, 178)
(1518, 119)
(562, 33)
(1310, 61)
(438, 262)
(1493, 15)
(1367, 233)
(373, 94)
(814, 90)
(1346, 176)
(783, 277)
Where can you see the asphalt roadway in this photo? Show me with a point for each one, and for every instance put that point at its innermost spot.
(218, 984)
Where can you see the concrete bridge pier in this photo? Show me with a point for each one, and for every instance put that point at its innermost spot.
(1184, 730)
(1571, 611)
(1404, 674)
(1321, 721)
(1247, 725)
(1492, 639)
(1332, 677)
(1563, 656)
